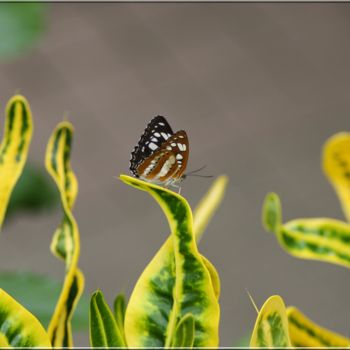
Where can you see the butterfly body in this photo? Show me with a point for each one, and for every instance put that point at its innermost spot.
(161, 155)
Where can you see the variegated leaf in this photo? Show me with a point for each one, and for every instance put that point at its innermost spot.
(66, 242)
(305, 333)
(178, 280)
(314, 238)
(18, 327)
(271, 326)
(14, 148)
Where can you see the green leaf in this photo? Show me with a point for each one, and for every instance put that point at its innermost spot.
(21, 25)
(271, 326)
(33, 192)
(104, 331)
(39, 294)
(177, 281)
(119, 312)
(18, 327)
(272, 216)
(184, 334)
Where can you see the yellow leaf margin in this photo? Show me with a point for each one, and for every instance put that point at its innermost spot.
(18, 327)
(336, 166)
(162, 261)
(305, 333)
(66, 242)
(271, 326)
(14, 147)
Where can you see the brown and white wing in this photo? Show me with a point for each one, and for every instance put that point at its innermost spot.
(168, 162)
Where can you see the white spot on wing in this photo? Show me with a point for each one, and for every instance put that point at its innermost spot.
(179, 156)
(152, 146)
(165, 135)
(182, 147)
(157, 134)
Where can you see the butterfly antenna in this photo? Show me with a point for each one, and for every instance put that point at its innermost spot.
(193, 172)
(196, 171)
(198, 175)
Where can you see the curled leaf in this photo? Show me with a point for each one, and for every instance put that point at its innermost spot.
(66, 243)
(175, 283)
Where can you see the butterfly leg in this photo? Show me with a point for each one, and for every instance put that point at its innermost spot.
(171, 183)
(178, 187)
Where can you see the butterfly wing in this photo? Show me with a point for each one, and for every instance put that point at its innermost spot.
(156, 133)
(168, 162)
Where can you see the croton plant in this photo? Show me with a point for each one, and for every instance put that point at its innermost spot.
(175, 302)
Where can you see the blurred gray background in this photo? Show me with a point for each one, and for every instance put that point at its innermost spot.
(258, 88)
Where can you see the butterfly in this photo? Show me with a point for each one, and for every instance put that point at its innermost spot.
(161, 155)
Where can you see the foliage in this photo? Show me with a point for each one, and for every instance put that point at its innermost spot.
(39, 294)
(14, 148)
(104, 329)
(66, 241)
(175, 301)
(271, 326)
(304, 332)
(21, 25)
(323, 239)
(19, 328)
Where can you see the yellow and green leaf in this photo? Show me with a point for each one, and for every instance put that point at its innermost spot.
(336, 165)
(305, 333)
(184, 333)
(313, 238)
(18, 327)
(66, 243)
(104, 330)
(271, 326)
(14, 148)
(178, 280)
